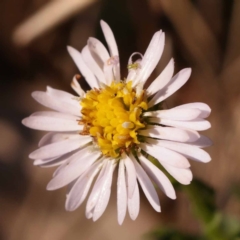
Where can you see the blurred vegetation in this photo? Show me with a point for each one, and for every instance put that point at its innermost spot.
(215, 224)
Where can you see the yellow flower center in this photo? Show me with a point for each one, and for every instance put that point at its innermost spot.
(112, 116)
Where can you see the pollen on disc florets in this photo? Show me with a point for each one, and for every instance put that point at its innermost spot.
(112, 116)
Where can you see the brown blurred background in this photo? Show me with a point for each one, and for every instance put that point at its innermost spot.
(202, 34)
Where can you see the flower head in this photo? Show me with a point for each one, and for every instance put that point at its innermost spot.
(118, 124)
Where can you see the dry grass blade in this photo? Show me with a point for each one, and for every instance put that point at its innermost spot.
(231, 70)
(214, 19)
(194, 33)
(233, 45)
(46, 18)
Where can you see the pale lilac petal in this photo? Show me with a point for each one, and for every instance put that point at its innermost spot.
(79, 190)
(112, 45)
(176, 82)
(57, 104)
(92, 64)
(131, 175)
(94, 195)
(187, 150)
(162, 80)
(181, 114)
(196, 124)
(205, 109)
(134, 203)
(76, 166)
(165, 155)
(86, 72)
(121, 193)
(182, 175)
(60, 148)
(151, 57)
(147, 187)
(158, 177)
(169, 133)
(105, 193)
(76, 86)
(52, 123)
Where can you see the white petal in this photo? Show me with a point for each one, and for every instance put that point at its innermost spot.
(77, 58)
(53, 137)
(158, 177)
(163, 79)
(132, 71)
(196, 124)
(61, 95)
(131, 175)
(93, 198)
(84, 150)
(46, 139)
(121, 193)
(105, 193)
(205, 109)
(49, 163)
(176, 82)
(151, 57)
(134, 203)
(60, 148)
(93, 66)
(49, 123)
(95, 46)
(176, 114)
(56, 161)
(182, 175)
(77, 165)
(55, 115)
(112, 45)
(79, 191)
(40, 161)
(57, 104)
(89, 214)
(101, 55)
(165, 155)
(169, 133)
(76, 85)
(108, 72)
(147, 187)
(187, 150)
(202, 142)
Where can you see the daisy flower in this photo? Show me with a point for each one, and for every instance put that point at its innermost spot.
(118, 125)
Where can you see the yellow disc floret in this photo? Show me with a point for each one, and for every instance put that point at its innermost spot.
(112, 116)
